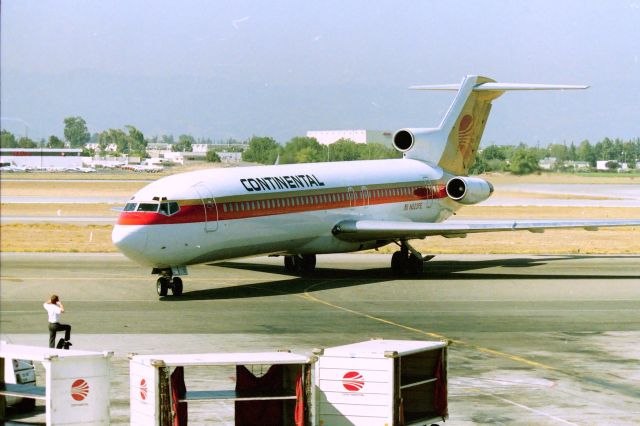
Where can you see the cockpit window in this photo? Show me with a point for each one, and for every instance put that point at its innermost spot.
(169, 208)
(130, 207)
(147, 207)
(173, 207)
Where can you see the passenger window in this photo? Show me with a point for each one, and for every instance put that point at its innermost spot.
(130, 207)
(148, 207)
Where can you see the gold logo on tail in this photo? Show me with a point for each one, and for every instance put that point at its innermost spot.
(465, 133)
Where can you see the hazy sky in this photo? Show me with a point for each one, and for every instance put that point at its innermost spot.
(279, 68)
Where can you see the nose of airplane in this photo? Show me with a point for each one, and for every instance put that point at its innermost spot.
(130, 240)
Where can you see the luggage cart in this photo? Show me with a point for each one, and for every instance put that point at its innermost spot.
(382, 382)
(160, 393)
(76, 388)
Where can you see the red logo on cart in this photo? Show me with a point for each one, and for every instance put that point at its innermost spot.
(143, 389)
(353, 381)
(79, 390)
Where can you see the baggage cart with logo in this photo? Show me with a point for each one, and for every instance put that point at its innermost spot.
(76, 388)
(265, 388)
(382, 382)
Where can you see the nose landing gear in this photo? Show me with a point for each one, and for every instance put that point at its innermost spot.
(167, 282)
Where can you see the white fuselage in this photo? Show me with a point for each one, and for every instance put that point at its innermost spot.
(218, 214)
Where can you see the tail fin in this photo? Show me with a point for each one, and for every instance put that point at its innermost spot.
(454, 143)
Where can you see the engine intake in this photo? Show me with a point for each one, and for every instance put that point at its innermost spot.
(403, 140)
(468, 190)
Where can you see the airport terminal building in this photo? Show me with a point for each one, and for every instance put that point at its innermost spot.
(41, 158)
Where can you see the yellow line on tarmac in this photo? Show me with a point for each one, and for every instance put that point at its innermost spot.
(482, 349)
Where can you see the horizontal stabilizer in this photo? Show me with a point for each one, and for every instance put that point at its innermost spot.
(502, 87)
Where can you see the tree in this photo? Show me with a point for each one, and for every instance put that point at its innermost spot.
(263, 150)
(344, 150)
(559, 152)
(137, 143)
(116, 137)
(168, 139)
(76, 132)
(185, 144)
(301, 149)
(55, 142)
(572, 152)
(479, 166)
(612, 165)
(25, 142)
(492, 158)
(524, 161)
(7, 139)
(377, 151)
(212, 157)
(494, 152)
(585, 152)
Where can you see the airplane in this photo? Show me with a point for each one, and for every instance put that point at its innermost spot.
(301, 210)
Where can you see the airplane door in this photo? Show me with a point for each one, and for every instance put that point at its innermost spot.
(210, 207)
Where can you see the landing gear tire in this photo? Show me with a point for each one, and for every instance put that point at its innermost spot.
(415, 265)
(403, 264)
(162, 286)
(176, 286)
(398, 263)
(288, 264)
(303, 264)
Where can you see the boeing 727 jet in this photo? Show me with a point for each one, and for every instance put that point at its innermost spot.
(301, 210)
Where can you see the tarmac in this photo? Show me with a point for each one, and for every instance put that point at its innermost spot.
(535, 340)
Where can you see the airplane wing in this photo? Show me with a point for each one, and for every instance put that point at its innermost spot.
(367, 230)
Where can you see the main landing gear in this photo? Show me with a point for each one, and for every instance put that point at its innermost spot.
(407, 260)
(167, 281)
(302, 264)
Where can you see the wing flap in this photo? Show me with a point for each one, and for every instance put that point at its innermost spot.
(367, 230)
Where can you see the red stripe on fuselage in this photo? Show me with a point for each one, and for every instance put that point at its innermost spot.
(230, 210)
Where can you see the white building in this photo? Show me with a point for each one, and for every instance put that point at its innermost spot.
(41, 158)
(602, 164)
(112, 147)
(327, 137)
(201, 147)
(578, 165)
(547, 163)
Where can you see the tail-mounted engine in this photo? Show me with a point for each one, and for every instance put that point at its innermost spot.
(421, 143)
(468, 190)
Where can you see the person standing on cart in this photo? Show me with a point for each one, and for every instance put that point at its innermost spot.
(55, 308)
